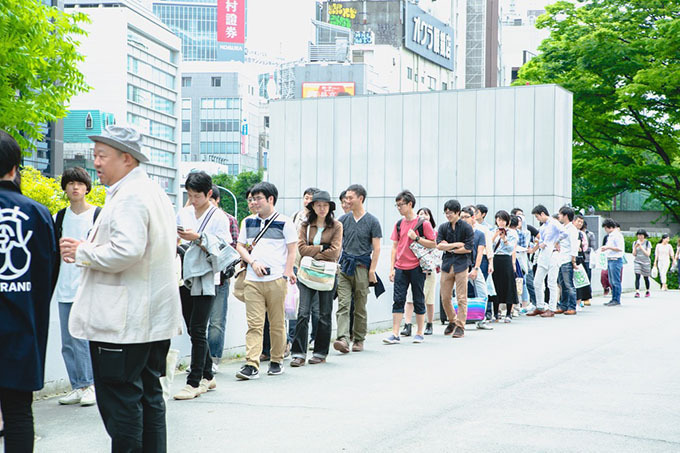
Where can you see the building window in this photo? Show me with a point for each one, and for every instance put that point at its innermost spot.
(216, 82)
(266, 121)
(422, 79)
(186, 148)
(186, 103)
(88, 121)
(433, 83)
(444, 86)
(186, 125)
(409, 73)
(186, 82)
(415, 78)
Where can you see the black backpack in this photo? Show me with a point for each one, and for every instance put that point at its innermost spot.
(419, 228)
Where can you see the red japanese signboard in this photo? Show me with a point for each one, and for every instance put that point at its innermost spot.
(231, 21)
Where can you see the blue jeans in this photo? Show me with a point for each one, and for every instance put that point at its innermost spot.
(529, 281)
(218, 320)
(615, 267)
(76, 352)
(566, 281)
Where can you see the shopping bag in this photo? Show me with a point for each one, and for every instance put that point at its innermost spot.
(600, 260)
(580, 277)
(291, 301)
(655, 272)
(490, 288)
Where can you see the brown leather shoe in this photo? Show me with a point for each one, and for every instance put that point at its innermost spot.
(315, 360)
(297, 362)
(547, 314)
(586, 303)
(358, 346)
(264, 358)
(536, 312)
(458, 332)
(341, 345)
(570, 312)
(559, 311)
(449, 329)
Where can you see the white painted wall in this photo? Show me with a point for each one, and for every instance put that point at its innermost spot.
(503, 147)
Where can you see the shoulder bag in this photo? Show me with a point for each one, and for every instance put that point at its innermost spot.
(428, 258)
(317, 274)
(240, 280)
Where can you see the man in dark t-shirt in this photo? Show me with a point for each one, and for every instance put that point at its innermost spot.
(360, 253)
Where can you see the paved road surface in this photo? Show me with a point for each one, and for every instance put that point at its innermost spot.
(606, 380)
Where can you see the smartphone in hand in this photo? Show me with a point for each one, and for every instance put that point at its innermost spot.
(267, 271)
(180, 228)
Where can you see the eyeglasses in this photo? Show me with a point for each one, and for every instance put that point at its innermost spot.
(399, 205)
(254, 199)
(465, 216)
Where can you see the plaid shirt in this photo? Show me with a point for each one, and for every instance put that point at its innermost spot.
(233, 228)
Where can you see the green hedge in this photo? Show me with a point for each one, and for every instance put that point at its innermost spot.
(672, 276)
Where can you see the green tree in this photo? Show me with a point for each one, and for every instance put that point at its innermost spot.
(238, 186)
(621, 60)
(38, 73)
(47, 191)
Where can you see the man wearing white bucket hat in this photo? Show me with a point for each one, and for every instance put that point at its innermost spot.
(128, 304)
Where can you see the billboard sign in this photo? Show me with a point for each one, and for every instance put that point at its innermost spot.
(327, 89)
(428, 37)
(231, 30)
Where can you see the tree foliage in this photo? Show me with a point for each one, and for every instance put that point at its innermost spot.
(238, 186)
(38, 73)
(47, 191)
(621, 60)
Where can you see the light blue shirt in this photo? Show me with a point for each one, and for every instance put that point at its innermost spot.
(503, 248)
(550, 233)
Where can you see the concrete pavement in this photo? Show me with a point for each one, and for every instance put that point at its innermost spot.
(606, 380)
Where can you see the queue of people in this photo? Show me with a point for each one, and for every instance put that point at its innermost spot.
(130, 272)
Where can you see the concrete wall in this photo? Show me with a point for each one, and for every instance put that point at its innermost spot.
(503, 147)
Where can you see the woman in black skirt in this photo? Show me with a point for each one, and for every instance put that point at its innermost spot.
(504, 242)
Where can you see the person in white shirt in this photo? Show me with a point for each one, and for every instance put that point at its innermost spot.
(613, 249)
(546, 263)
(74, 221)
(569, 245)
(195, 221)
(270, 262)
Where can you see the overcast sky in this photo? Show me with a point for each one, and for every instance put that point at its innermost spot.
(280, 28)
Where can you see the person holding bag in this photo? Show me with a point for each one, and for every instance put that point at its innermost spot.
(320, 238)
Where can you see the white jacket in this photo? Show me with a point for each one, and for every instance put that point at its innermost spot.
(128, 291)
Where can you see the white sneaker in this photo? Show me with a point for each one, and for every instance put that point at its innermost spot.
(88, 398)
(188, 393)
(72, 397)
(215, 366)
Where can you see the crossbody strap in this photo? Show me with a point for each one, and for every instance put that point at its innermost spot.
(206, 220)
(264, 230)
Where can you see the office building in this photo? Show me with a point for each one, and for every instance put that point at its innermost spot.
(132, 64)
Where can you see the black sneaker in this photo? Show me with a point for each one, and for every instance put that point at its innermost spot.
(428, 328)
(247, 373)
(275, 368)
(406, 331)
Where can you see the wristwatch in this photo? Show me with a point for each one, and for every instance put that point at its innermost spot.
(417, 239)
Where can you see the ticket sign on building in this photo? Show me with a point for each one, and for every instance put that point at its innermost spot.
(327, 89)
(231, 30)
(428, 37)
